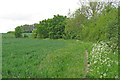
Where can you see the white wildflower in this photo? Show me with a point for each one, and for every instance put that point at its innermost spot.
(105, 59)
(104, 74)
(91, 70)
(112, 61)
(97, 67)
(108, 58)
(109, 65)
(114, 53)
(95, 61)
(116, 76)
(98, 49)
(101, 76)
(116, 62)
(107, 69)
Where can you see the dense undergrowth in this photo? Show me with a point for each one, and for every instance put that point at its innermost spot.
(103, 61)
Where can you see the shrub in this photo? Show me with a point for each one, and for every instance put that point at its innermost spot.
(25, 36)
(51, 28)
(18, 32)
(34, 33)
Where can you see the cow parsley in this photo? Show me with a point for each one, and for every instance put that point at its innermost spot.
(103, 60)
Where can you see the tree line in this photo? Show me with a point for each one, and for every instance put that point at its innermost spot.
(97, 21)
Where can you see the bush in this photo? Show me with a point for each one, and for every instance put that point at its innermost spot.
(34, 33)
(51, 28)
(25, 36)
(18, 32)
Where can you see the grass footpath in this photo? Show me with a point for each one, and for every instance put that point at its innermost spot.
(68, 62)
(33, 58)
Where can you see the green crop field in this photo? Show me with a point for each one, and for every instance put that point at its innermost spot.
(33, 58)
(37, 58)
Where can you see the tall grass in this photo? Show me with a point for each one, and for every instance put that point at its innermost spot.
(68, 62)
(21, 57)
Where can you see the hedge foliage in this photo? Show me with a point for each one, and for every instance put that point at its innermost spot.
(51, 28)
(18, 32)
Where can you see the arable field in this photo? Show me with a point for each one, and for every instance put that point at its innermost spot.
(37, 58)
(34, 58)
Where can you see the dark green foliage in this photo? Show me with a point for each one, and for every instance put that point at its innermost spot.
(42, 30)
(51, 28)
(18, 32)
(25, 36)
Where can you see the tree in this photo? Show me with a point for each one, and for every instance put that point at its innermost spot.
(28, 28)
(51, 28)
(92, 22)
(103, 26)
(18, 32)
(89, 8)
(72, 27)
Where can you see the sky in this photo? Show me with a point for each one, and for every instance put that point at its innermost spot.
(14, 13)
